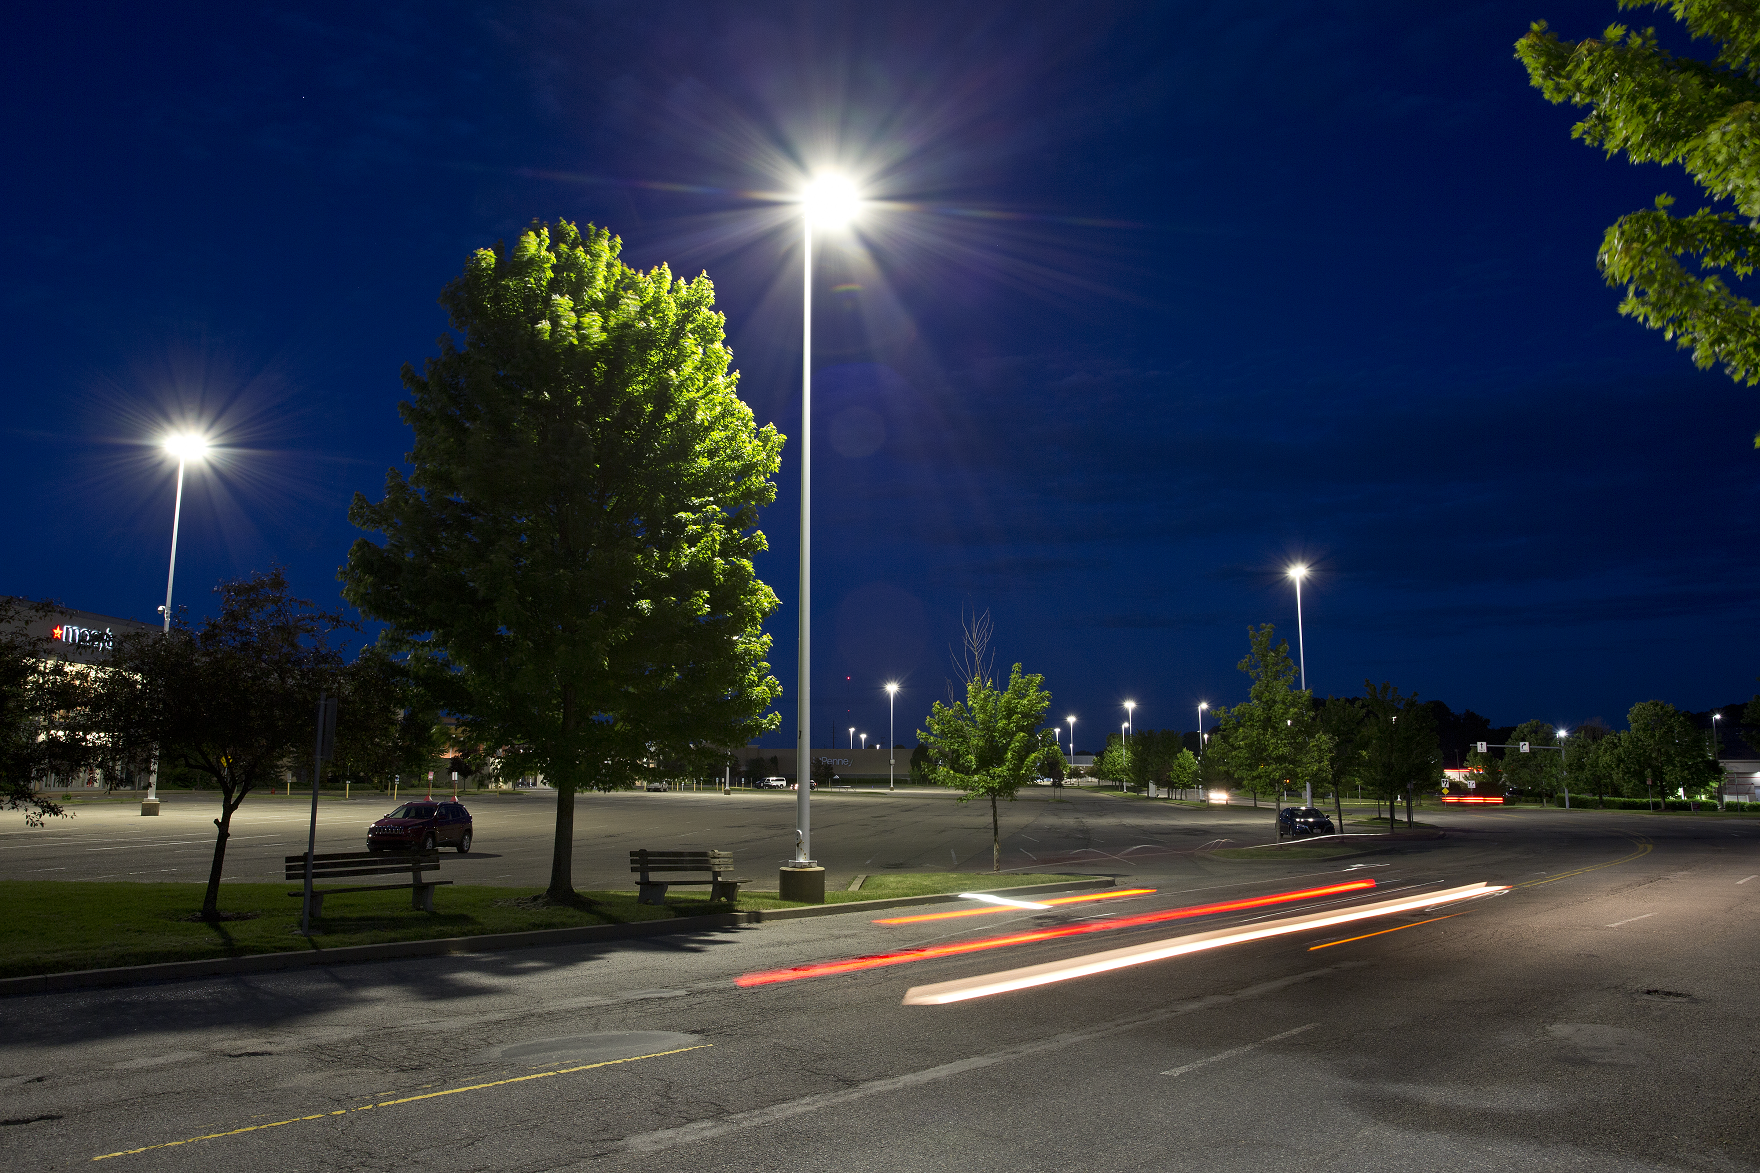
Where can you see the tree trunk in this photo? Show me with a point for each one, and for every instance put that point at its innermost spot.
(1408, 808)
(561, 890)
(1338, 806)
(211, 898)
(995, 837)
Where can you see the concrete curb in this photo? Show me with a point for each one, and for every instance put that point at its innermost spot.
(127, 975)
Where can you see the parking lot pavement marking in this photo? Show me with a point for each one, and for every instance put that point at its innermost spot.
(668, 1138)
(1616, 924)
(1377, 933)
(452, 1091)
(1643, 845)
(1749, 878)
(1230, 1054)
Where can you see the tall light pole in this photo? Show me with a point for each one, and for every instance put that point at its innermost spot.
(186, 446)
(864, 743)
(852, 737)
(1299, 572)
(1072, 740)
(1125, 755)
(891, 736)
(828, 201)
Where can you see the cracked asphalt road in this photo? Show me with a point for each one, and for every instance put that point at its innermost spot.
(1595, 1017)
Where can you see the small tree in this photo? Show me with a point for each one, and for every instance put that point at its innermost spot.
(233, 699)
(1538, 770)
(1341, 719)
(1109, 763)
(1183, 772)
(1271, 739)
(1400, 747)
(990, 746)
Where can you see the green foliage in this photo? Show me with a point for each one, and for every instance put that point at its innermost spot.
(1400, 747)
(42, 700)
(1152, 753)
(1272, 739)
(1109, 765)
(1183, 772)
(1654, 107)
(1662, 748)
(1539, 771)
(991, 745)
(234, 699)
(568, 564)
(1490, 780)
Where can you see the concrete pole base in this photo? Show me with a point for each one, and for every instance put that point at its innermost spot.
(805, 885)
(149, 806)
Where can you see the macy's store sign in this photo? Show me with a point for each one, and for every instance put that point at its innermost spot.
(85, 637)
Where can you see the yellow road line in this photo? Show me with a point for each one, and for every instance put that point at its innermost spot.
(171, 1144)
(1394, 929)
(1644, 848)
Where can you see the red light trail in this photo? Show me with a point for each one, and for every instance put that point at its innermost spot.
(956, 948)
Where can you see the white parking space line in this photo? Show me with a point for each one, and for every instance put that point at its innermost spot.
(1616, 924)
(1230, 1054)
(1749, 878)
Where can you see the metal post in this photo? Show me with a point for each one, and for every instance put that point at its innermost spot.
(803, 766)
(322, 744)
(891, 737)
(1301, 644)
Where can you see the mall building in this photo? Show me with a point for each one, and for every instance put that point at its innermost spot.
(80, 637)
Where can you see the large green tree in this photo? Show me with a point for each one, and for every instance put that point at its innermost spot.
(1401, 750)
(569, 558)
(1271, 739)
(1661, 748)
(1539, 771)
(1654, 107)
(1341, 718)
(990, 745)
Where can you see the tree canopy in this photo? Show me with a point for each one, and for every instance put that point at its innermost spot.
(569, 558)
(1654, 107)
(990, 745)
(1271, 739)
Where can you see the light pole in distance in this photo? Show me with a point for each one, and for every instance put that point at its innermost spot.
(891, 735)
(186, 446)
(828, 201)
(1072, 741)
(1125, 755)
(1299, 572)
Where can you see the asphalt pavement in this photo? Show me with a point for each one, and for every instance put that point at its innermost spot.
(1597, 1016)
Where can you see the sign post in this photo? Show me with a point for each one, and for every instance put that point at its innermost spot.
(323, 748)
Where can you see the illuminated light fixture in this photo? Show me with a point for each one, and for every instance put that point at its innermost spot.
(956, 948)
(830, 200)
(186, 446)
(911, 920)
(985, 985)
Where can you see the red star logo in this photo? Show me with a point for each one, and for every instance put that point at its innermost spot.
(57, 632)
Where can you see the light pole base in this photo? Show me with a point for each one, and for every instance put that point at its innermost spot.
(149, 806)
(805, 885)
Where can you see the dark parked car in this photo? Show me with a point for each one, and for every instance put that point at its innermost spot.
(1302, 820)
(422, 826)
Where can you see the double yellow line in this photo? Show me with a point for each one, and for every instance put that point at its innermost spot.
(451, 1091)
(1644, 848)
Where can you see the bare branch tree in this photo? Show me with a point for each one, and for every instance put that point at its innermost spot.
(975, 659)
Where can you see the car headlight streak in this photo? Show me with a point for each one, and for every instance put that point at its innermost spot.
(1026, 977)
(956, 948)
(911, 920)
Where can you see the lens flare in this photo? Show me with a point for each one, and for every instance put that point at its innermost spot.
(911, 920)
(956, 948)
(1026, 977)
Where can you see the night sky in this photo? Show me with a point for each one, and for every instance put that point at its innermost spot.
(1158, 298)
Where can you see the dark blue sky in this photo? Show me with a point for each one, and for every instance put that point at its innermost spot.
(1169, 297)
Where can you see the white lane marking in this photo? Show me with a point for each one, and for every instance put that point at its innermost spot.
(1749, 878)
(667, 1138)
(1616, 924)
(1005, 901)
(1230, 1054)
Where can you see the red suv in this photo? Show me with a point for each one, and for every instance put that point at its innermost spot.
(423, 826)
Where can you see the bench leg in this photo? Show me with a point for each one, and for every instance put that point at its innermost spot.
(421, 897)
(651, 893)
(317, 906)
(724, 890)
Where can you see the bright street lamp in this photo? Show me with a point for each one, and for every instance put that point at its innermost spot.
(891, 735)
(829, 201)
(1072, 741)
(1125, 749)
(1299, 572)
(864, 741)
(186, 446)
(1202, 705)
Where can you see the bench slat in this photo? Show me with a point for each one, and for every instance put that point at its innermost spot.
(368, 888)
(295, 871)
(322, 857)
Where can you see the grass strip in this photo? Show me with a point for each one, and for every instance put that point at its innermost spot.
(54, 926)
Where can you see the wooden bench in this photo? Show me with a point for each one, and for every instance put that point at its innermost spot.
(717, 863)
(347, 864)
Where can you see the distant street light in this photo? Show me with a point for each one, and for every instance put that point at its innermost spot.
(891, 736)
(1202, 705)
(829, 201)
(1125, 749)
(864, 742)
(852, 737)
(1299, 572)
(1072, 741)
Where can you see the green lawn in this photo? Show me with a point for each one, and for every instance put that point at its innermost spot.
(58, 925)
